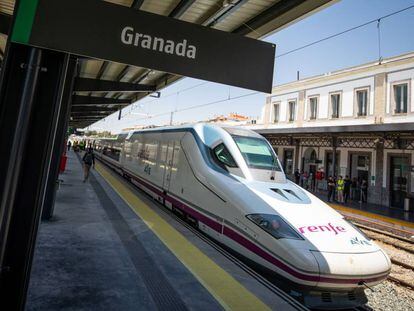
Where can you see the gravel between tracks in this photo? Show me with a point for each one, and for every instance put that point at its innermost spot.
(403, 274)
(388, 296)
(396, 253)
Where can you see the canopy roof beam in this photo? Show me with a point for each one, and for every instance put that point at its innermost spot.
(181, 8)
(86, 118)
(93, 109)
(222, 13)
(78, 100)
(102, 70)
(137, 4)
(96, 85)
(89, 113)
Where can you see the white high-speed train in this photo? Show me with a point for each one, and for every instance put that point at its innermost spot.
(229, 182)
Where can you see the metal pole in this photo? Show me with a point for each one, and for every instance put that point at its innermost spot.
(58, 146)
(32, 68)
(379, 41)
(334, 162)
(334, 156)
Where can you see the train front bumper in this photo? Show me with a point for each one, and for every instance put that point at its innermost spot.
(351, 270)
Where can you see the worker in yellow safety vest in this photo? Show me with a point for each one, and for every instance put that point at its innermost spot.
(340, 185)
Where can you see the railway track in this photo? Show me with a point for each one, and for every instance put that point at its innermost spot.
(388, 238)
(386, 233)
(405, 269)
(402, 264)
(381, 227)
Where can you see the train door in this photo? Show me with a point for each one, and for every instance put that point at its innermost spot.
(168, 166)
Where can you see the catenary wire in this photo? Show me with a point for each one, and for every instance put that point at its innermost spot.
(376, 20)
(199, 106)
(168, 95)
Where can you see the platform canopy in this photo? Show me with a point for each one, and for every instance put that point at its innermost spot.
(104, 87)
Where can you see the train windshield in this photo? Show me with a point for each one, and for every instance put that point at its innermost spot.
(257, 153)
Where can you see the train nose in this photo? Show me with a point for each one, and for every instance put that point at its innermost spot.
(352, 269)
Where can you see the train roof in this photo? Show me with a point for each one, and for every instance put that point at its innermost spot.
(197, 127)
(208, 132)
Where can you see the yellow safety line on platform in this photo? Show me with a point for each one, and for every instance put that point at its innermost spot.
(225, 289)
(372, 215)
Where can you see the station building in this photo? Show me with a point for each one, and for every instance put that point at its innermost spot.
(364, 115)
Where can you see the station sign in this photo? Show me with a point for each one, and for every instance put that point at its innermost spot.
(102, 30)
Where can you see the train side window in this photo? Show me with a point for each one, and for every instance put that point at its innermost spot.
(222, 154)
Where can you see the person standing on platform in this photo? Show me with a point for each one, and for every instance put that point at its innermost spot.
(340, 188)
(331, 188)
(301, 179)
(69, 145)
(88, 161)
(364, 191)
(297, 176)
(347, 188)
(305, 180)
(311, 181)
(75, 146)
(319, 179)
(354, 185)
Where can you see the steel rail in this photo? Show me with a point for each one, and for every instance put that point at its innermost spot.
(402, 264)
(401, 282)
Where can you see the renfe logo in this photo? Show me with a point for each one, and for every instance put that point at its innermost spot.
(325, 228)
(130, 37)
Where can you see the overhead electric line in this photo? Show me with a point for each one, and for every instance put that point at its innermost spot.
(377, 20)
(169, 95)
(200, 106)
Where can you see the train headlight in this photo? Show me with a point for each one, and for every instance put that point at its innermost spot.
(274, 225)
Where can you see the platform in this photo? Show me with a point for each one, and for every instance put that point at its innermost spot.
(110, 247)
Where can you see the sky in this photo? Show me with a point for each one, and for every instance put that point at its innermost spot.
(350, 49)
